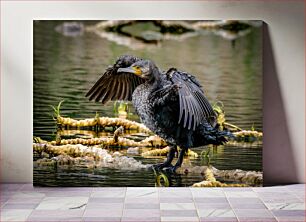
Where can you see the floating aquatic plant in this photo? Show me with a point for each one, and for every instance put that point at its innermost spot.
(90, 148)
(221, 121)
(210, 181)
(72, 154)
(161, 180)
(164, 151)
(57, 110)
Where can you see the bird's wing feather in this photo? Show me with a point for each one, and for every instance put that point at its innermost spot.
(116, 86)
(194, 106)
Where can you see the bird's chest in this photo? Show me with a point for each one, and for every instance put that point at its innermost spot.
(142, 104)
(150, 115)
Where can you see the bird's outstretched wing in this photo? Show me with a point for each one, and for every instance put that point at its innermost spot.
(194, 106)
(116, 86)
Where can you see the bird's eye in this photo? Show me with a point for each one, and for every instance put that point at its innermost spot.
(137, 67)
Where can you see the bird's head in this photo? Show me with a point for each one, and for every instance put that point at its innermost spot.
(145, 69)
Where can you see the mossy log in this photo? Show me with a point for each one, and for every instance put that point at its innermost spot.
(240, 134)
(245, 177)
(151, 141)
(156, 152)
(160, 30)
(154, 141)
(248, 177)
(244, 144)
(71, 150)
(73, 133)
(229, 25)
(176, 27)
(102, 122)
(99, 123)
(210, 181)
(81, 133)
(248, 135)
(106, 141)
(206, 183)
(113, 25)
(74, 154)
(172, 26)
(164, 152)
(92, 157)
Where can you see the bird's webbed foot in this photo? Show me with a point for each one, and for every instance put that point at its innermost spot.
(168, 161)
(160, 166)
(171, 169)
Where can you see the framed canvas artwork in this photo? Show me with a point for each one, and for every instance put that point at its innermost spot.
(147, 103)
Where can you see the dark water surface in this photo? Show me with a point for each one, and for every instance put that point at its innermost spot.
(66, 67)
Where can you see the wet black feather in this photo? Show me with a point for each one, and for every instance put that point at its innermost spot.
(115, 86)
(192, 99)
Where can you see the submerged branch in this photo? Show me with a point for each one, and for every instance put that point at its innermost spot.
(248, 177)
(102, 122)
(210, 181)
(161, 30)
(98, 123)
(232, 126)
(115, 141)
(245, 177)
(248, 135)
(151, 141)
(165, 151)
(92, 157)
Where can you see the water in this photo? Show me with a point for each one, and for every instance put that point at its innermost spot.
(66, 68)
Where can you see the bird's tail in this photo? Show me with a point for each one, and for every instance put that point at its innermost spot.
(212, 135)
(222, 137)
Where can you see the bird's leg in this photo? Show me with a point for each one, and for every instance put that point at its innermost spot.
(179, 160)
(168, 161)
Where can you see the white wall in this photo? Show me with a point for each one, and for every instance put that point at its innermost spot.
(284, 95)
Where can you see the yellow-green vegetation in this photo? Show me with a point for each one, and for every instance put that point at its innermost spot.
(96, 121)
(71, 150)
(87, 134)
(164, 152)
(156, 152)
(161, 179)
(210, 181)
(162, 30)
(89, 157)
(240, 134)
(191, 153)
(154, 141)
(248, 177)
(209, 173)
(151, 141)
(219, 110)
(114, 123)
(91, 147)
(244, 144)
(102, 122)
(247, 135)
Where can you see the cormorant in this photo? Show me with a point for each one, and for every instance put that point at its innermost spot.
(171, 104)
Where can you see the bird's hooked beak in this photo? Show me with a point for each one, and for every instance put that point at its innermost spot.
(134, 70)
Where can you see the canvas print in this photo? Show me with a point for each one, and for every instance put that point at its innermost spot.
(147, 103)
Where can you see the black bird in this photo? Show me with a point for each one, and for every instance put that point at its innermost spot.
(171, 104)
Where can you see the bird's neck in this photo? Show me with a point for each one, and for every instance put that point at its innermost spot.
(156, 80)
